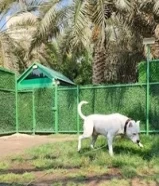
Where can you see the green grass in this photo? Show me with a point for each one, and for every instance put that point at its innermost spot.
(66, 166)
(13, 178)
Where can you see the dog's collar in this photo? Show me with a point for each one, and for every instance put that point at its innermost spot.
(126, 123)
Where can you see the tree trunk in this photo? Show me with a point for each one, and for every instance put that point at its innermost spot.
(99, 57)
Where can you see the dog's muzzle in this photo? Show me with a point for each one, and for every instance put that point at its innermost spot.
(139, 144)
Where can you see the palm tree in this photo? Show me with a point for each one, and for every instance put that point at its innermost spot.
(84, 26)
(17, 22)
(5, 41)
(124, 41)
(112, 30)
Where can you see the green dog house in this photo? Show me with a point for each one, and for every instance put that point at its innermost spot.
(40, 76)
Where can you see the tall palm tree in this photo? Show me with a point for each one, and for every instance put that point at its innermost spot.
(85, 25)
(16, 20)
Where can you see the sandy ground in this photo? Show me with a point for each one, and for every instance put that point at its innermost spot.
(17, 143)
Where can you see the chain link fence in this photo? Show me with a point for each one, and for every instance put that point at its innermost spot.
(54, 110)
(8, 98)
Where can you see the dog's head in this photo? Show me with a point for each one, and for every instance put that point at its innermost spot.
(133, 130)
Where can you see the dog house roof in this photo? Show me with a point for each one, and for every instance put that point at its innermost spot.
(50, 73)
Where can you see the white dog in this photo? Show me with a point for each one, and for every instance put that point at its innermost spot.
(109, 126)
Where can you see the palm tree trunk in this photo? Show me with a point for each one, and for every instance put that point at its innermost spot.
(99, 58)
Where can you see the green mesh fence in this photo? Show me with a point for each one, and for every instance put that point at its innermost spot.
(154, 107)
(67, 110)
(44, 113)
(35, 111)
(25, 111)
(154, 71)
(7, 80)
(48, 110)
(7, 112)
(38, 108)
(7, 102)
(127, 100)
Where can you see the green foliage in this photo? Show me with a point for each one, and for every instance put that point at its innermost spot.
(129, 172)
(75, 66)
(15, 178)
(4, 165)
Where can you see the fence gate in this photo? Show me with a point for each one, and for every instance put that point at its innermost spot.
(35, 111)
(25, 112)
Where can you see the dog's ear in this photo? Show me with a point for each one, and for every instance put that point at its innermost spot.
(138, 123)
(130, 124)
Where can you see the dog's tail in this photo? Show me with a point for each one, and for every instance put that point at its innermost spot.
(79, 109)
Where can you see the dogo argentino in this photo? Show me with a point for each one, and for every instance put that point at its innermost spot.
(109, 126)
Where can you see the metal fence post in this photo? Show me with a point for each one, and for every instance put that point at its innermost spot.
(16, 104)
(147, 42)
(56, 108)
(148, 89)
(34, 117)
(77, 118)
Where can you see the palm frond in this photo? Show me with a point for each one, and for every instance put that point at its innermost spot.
(6, 4)
(7, 48)
(100, 9)
(79, 26)
(123, 5)
(48, 24)
(156, 7)
(48, 19)
(24, 19)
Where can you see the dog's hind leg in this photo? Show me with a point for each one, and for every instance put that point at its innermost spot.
(88, 130)
(94, 138)
(110, 141)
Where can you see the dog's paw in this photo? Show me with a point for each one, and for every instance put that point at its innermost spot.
(92, 147)
(78, 150)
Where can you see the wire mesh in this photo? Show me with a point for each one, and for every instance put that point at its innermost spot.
(127, 100)
(37, 108)
(25, 111)
(7, 112)
(154, 107)
(154, 71)
(44, 112)
(7, 80)
(67, 110)
(7, 102)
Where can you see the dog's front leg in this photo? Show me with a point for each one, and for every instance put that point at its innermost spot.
(80, 138)
(110, 141)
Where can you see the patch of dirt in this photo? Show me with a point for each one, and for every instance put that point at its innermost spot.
(17, 143)
(45, 179)
(138, 182)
